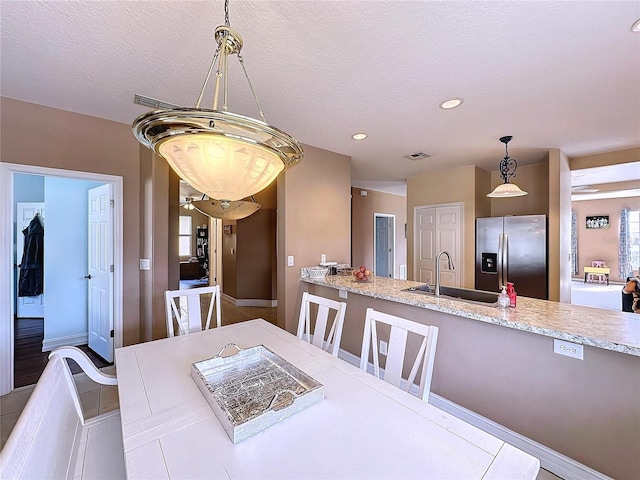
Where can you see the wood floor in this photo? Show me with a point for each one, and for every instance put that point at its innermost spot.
(30, 360)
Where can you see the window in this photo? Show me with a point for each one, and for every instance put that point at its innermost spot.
(634, 239)
(185, 232)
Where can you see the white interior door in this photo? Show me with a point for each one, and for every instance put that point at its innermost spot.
(438, 228)
(384, 245)
(100, 271)
(424, 245)
(448, 225)
(27, 307)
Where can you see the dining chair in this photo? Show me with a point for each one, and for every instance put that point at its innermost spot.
(396, 350)
(601, 276)
(183, 309)
(322, 307)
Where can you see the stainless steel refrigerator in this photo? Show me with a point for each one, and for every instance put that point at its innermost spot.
(512, 249)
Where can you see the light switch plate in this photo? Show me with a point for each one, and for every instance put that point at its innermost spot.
(568, 349)
(290, 261)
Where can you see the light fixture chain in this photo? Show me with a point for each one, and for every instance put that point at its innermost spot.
(255, 97)
(226, 13)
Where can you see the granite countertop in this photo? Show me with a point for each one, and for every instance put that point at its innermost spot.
(607, 329)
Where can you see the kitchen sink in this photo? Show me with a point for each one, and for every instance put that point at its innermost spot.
(457, 293)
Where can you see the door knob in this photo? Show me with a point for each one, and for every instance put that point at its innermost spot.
(88, 276)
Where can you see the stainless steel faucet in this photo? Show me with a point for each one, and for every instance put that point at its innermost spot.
(450, 266)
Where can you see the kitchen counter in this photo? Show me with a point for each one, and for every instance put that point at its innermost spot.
(501, 366)
(606, 329)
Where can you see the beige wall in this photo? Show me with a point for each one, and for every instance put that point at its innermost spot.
(608, 158)
(250, 271)
(585, 409)
(459, 185)
(559, 227)
(363, 209)
(36, 135)
(314, 217)
(601, 244)
(230, 259)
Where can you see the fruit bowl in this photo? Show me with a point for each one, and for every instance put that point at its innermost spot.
(362, 274)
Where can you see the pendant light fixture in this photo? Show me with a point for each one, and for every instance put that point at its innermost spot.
(507, 170)
(226, 210)
(222, 154)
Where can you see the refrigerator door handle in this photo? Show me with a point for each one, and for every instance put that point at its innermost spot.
(500, 245)
(505, 257)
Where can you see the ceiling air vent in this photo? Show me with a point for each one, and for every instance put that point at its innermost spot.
(417, 156)
(152, 103)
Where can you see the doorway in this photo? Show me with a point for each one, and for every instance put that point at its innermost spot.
(8, 175)
(384, 245)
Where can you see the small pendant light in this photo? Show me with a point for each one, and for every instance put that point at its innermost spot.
(507, 170)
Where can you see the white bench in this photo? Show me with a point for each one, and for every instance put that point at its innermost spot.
(52, 439)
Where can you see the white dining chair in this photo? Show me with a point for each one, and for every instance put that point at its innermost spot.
(396, 350)
(323, 307)
(183, 309)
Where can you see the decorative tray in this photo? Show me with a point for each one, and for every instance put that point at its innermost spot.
(253, 389)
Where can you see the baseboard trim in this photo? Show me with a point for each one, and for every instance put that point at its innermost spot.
(250, 302)
(555, 462)
(69, 341)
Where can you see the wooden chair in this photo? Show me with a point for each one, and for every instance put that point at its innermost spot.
(397, 344)
(52, 439)
(184, 307)
(330, 342)
(601, 276)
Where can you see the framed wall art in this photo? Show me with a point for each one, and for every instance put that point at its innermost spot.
(597, 221)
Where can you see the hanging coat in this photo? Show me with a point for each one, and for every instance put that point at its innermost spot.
(31, 279)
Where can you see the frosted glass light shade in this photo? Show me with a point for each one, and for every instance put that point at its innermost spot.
(226, 211)
(220, 166)
(507, 190)
(223, 154)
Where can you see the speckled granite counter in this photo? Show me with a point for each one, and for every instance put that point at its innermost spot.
(607, 329)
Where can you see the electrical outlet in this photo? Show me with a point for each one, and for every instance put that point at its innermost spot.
(568, 349)
(342, 293)
(383, 348)
(145, 264)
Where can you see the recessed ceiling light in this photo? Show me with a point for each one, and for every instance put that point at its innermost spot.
(449, 104)
(636, 26)
(359, 136)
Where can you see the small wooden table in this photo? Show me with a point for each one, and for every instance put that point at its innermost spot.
(597, 271)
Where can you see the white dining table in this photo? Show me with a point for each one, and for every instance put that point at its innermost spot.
(363, 428)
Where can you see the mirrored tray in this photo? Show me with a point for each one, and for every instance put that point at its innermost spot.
(253, 389)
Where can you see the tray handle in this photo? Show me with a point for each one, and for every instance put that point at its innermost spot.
(275, 398)
(229, 345)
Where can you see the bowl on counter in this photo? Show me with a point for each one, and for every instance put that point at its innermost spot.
(314, 272)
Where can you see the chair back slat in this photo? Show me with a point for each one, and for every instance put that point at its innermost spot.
(395, 355)
(184, 306)
(324, 317)
(399, 329)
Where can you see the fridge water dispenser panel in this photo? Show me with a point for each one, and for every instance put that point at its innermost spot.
(489, 263)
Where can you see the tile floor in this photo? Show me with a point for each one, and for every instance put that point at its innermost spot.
(98, 399)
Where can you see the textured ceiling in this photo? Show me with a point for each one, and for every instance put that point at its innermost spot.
(552, 74)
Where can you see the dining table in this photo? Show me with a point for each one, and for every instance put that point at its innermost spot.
(362, 428)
